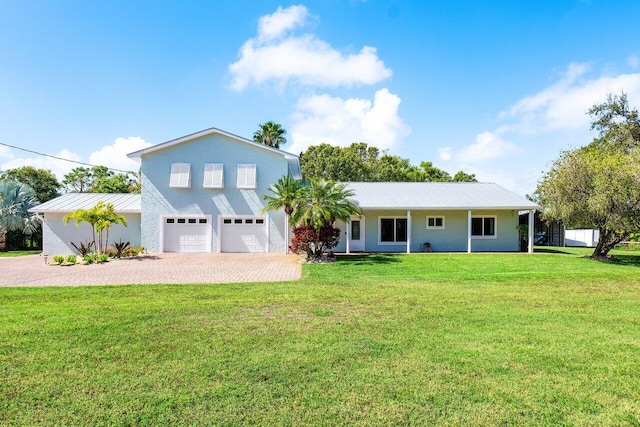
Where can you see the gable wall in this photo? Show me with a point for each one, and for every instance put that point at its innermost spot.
(159, 199)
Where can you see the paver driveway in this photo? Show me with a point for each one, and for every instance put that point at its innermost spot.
(31, 270)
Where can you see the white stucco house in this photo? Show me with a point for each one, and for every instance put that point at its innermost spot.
(203, 193)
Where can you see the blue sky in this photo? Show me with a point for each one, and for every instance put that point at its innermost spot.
(495, 88)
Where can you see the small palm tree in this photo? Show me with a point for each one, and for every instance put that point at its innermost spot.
(271, 134)
(287, 193)
(324, 203)
(101, 217)
(15, 201)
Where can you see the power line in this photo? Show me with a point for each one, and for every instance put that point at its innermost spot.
(61, 158)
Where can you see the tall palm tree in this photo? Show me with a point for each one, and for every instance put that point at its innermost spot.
(287, 193)
(324, 203)
(15, 201)
(271, 134)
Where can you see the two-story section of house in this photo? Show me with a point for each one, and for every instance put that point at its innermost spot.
(203, 193)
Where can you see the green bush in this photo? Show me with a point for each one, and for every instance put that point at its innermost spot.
(88, 258)
(58, 258)
(103, 258)
(72, 259)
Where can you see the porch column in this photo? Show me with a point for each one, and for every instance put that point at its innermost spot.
(531, 217)
(408, 232)
(469, 232)
(348, 235)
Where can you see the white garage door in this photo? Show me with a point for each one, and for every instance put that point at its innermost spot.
(244, 235)
(187, 234)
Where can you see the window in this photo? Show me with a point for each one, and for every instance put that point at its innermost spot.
(483, 226)
(181, 221)
(202, 221)
(393, 230)
(227, 221)
(192, 220)
(237, 221)
(213, 175)
(436, 222)
(248, 221)
(170, 220)
(180, 175)
(259, 221)
(246, 176)
(355, 229)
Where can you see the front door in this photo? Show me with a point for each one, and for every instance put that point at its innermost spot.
(356, 234)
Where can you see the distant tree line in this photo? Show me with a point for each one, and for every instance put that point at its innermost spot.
(361, 163)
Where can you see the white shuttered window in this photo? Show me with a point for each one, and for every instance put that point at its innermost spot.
(180, 175)
(246, 176)
(213, 175)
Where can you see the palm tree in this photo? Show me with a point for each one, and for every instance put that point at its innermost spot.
(101, 217)
(324, 203)
(271, 134)
(15, 201)
(287, 193)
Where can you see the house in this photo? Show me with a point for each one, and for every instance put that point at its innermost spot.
(434, 216)
(203, 193)
(58, 236)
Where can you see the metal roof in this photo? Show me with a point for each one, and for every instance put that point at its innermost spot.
(437, 196)
(137, 155)
(123, 203)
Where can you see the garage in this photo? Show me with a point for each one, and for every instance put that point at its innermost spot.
(248, 234)
(186, 234)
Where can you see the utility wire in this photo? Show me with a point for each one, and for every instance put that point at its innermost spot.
(61, 158)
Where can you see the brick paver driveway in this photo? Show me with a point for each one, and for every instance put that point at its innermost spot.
(31, 270)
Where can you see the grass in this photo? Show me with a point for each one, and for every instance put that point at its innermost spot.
(10, 254)
(449, 339)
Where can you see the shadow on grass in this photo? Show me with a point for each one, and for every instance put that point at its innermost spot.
(368, 259)
(552, 250)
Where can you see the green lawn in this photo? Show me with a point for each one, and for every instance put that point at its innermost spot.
(481, 339)
(10, 254)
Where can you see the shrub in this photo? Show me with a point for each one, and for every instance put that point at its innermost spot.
(111, 252)
(88, 258)
(58, 258)
(103, 258)
(120, 247)
(71, 259)
(84, 248)
(314, 242)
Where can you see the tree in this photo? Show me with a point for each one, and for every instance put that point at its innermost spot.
(361, 163)
(42, 181)
(271, 134)
(461, 176)
(79, 180)
(100, 217)
(598, 186)
(15, 201)
(100, 179)
(323, 203)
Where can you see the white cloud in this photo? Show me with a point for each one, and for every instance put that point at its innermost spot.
(536, 128)
(58, 167)
(337, 121)
(488, 145)
(282, 20)
(563, 105)
(633, 61)
(115, 155)
(278, 56)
